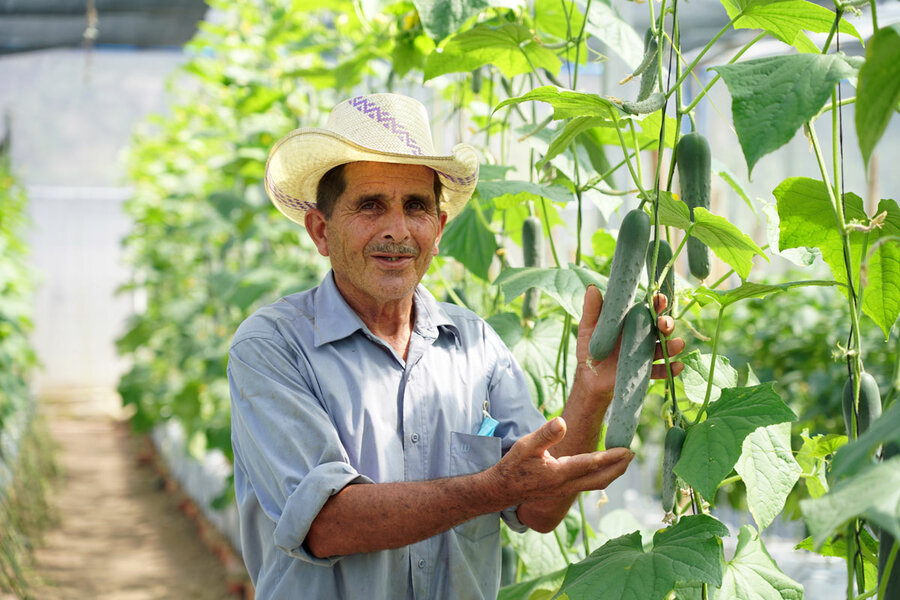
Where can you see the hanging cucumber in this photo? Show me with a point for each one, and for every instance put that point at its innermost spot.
(628, 258)
(645, 106)
(667, 286)
(532, 256)
(693, 158)
(632, 376)
(869, 404)
(671, 453)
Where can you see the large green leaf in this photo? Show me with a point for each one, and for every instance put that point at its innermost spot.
(727, 241)
(878, 91)
(786, 20)
(769, 471)
(467, 239)
(620, 37)
(753, 575)
(689, 551)
(511, 48)
(712, 447)
(566, 286)
(566, 104)
(857, 454)
(807, 220)
(536, 353)
(695, 376)
(873, 494)
(750, 290)
(772, 97)
(507, 193)
(440, 18)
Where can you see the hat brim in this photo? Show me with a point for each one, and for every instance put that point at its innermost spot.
(298, 161)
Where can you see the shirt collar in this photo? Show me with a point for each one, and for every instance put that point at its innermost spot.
(335, 319)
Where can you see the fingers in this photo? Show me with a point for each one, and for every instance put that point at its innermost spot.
(548, 434)
(673, 347)
(659, 371)
(660, 301)
(665, 324)
(595, 470)
(590, 312)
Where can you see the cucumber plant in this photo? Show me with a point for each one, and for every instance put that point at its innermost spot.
(497, 73)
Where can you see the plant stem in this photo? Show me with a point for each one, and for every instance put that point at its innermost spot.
(634, 175)
(593, 181)
(587, 10)
(549, 236)
(703, 52)
(888, 567)
(712, 365)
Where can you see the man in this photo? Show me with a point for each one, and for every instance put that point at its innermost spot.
(379, 435)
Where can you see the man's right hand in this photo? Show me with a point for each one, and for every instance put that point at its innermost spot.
(530, 472)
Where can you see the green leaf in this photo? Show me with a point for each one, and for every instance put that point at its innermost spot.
(878, 90)
(511, 48)
(566, 104)
(786, 20)
(729, 243)
(750, 289)
(568, 134)
(542, 588)
(508, 193)
(812, 460)
(508, 326)
(873, 494)
(856, 455)
(566, 286)
(695, 376)
(440, 18)
(605, 24)
(712, 447)
(538, 552)
(772, 97)
(837, 547)
(536, 353)
(689, 551)
(467, 239)
(769, 471)
(807, 220)
(753, 575)
(729, 178)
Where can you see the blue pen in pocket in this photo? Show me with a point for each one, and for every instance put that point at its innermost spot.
(489, 423)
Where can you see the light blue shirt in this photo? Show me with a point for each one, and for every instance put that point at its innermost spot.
(319, 402)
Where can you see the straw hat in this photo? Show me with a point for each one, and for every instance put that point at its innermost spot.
(377, 127)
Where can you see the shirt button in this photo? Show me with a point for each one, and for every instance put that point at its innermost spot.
(421, 563)
(415, 438)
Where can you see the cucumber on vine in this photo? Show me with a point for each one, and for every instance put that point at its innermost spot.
(627, 262)
(632, 376)
(869, 404)
(671, 453)
(667, 286)
(692, 156)
(532, 256)
(651, 104)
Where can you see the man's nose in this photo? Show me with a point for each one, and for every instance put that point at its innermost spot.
(396, 226)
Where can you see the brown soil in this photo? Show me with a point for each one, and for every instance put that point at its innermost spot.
(121, 535)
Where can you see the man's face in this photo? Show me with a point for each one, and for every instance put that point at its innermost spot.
(382, 233)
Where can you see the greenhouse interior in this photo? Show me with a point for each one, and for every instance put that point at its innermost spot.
(655, 252)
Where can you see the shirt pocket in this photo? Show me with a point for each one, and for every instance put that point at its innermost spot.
(472, 454)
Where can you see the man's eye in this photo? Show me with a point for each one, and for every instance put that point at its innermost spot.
(415, 205)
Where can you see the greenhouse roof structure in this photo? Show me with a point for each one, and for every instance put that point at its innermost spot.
(39, 24)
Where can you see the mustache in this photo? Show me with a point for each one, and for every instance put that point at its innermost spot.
(392, 248)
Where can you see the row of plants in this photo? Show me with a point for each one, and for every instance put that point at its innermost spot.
(777, 405)
(22, 498)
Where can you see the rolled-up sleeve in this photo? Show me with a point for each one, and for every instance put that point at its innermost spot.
(284, 439)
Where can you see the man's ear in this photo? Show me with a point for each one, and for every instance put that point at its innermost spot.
(316, 227)
(437, 240)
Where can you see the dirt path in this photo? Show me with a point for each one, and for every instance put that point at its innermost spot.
(121, 536)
